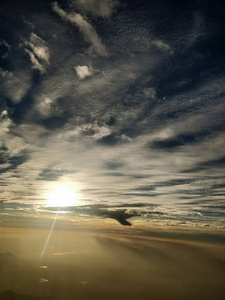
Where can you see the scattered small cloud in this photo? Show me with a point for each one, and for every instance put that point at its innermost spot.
(97, 131)
(83, 71)
(150, 93)
(4, 114)
(161, 46)
(14, 86)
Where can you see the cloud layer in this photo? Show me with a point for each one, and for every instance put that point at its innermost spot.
(122, 102)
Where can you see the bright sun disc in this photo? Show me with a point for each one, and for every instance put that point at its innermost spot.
(61, 196)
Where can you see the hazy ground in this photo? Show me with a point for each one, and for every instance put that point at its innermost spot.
(114, 264)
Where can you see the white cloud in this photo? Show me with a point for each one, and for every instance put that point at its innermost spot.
(39, 47)
(101, 8)
(83, 71)
(36, 64)
(4, 114)
(45, 106)
(86, 28)
(38, 52)
(97, 130)
(14, 144)
(4, 127)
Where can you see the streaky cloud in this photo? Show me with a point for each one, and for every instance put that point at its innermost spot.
(85, 27)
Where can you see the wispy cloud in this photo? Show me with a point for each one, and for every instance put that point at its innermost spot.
(89, 33)
(103, 8)
(6, 47)
(45, 106)
(39, 53)
(36, 64)
(14, 86)
(161, 46)
(39, 47)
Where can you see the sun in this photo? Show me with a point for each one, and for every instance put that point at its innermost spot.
(61, 196)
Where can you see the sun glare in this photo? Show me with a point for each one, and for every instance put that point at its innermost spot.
(62, 195)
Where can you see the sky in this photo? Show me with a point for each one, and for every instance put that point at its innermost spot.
(112, 110)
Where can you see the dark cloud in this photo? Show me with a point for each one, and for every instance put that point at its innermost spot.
(114, 174)
(119, 212)
(173, 182)
(213, 163)
(111, 121)
(55, 122)
(190, 138)
(110, 140)
(114, 165)
(14, 162)
(204, 191)
(16, 207)
(140, 194)
(53, 174)
(120, 215)
(180, 140)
